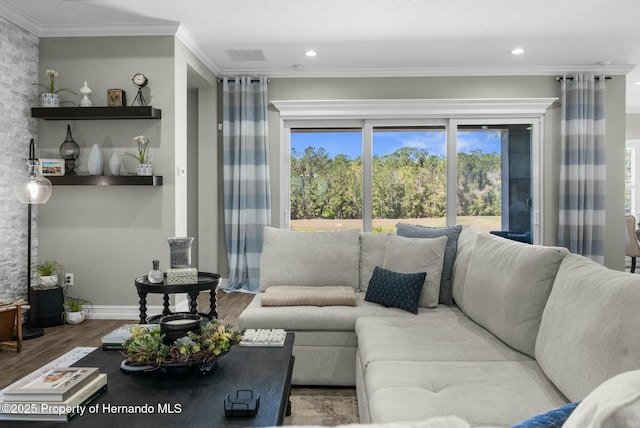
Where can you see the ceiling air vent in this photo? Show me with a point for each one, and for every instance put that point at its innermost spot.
(237, 55)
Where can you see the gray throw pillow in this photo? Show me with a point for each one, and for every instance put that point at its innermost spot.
(452, 233)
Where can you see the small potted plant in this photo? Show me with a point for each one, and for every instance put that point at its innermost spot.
(74, 311)
(49, 273)
(51, 97)
(144, 166)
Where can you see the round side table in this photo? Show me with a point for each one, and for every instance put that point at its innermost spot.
(206, 281)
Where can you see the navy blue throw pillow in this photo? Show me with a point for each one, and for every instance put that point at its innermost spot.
(393, 289)
(552, 419)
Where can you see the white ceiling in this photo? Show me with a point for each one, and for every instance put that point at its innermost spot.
(369, 37)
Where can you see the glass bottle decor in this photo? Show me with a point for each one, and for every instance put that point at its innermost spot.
(69, 151)
(155, 275)
(96, 161)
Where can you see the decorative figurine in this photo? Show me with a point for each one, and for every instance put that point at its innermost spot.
(86, 91)
(140, 81)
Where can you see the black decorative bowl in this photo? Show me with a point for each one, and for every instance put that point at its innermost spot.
(178, 325)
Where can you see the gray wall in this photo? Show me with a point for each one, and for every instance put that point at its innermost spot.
(107, 236)
(18, 70)
(477, 87)
(633, 126)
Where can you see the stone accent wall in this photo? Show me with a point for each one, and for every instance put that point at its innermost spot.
(18, 70)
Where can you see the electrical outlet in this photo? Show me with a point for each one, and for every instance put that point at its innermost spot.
(68, 279)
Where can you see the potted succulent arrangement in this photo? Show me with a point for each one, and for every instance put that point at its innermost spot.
(199, 349)
(49, 273)
(51, 97)
(144, 166)
(74, 311)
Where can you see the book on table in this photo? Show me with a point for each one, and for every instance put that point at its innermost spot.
(55, 410)
(52, 384)
(113, 340)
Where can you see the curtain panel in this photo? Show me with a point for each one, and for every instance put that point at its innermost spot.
(583, 170)
(247, 205)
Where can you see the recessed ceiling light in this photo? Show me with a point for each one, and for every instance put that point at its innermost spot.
(637, 83)
(517, 51)
(311, 53)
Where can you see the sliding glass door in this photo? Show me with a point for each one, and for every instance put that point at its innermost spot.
(373, 174)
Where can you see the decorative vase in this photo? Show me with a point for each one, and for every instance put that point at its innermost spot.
(85, 101)
(144, 169)
(115, 164)
(69, 150)
(180, 252)
(155, 275)
(50, 100)
(96, 161)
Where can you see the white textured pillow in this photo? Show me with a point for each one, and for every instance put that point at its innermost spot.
(310, 258)
(614, 404)
(372, 246)
(415, 255)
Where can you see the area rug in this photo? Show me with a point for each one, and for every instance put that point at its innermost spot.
(323, 406)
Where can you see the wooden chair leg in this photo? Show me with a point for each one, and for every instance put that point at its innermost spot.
(633, 264)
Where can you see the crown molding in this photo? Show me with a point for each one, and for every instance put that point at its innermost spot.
(184, 36)
(407, 108)
(20, 19)
(612, 70)
(114, 29)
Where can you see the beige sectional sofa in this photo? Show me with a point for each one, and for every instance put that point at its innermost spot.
(532, 328)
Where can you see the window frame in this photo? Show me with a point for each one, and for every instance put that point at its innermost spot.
(450, 113)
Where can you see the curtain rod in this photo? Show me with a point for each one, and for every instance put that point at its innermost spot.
(233, 79)
(561, 78)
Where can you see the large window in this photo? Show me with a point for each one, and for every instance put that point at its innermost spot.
(373, 173)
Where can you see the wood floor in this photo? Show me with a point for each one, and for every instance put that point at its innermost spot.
(61, 339)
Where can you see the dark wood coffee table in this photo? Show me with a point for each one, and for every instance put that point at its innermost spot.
(196, 400)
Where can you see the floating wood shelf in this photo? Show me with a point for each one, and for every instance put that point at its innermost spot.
(96, 113)
(106, 180)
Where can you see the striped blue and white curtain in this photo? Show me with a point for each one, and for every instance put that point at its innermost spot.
(247, 205)
(583, 171)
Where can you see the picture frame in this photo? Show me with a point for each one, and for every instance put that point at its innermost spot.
(116, 98)
(52, 167)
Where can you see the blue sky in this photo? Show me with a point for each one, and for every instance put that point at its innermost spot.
(384, 143)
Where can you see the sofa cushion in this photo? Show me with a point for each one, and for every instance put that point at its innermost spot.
(440, 334)
(310, 258)
(496, 393)
(413, 255)
(466, 242)
(614, 404)
(507, 287)
(396, 290)
(554, 418)
(589, 329)
(450, 251)
(372, 246)
(314, 318)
